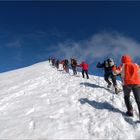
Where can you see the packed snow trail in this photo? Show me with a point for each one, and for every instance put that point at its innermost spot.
(41, 102)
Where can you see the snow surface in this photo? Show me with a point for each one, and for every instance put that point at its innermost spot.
(41, 102)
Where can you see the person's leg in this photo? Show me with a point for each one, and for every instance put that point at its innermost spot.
(74, 70)
(127, 89)
(64, 67)
(83, 73)
(106, 78)
(113, 78)
(136, 92)
(86, 71)
(67, 67)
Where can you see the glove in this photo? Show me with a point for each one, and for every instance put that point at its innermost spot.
(98, 64)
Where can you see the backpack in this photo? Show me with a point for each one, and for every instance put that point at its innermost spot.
(66, 62)
(74, 62)
(109, 63)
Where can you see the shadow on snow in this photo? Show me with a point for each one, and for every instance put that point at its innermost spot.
(108, 106)
(96, 86)
(100, 105)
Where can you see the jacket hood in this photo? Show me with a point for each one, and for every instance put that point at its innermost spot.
(126, 59)
(83, 62)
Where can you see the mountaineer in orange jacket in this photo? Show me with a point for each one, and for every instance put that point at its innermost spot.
(84, 67)
(130, 74)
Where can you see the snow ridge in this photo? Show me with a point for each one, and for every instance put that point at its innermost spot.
(40, 102)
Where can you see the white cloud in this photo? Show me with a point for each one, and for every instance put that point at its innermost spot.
(99, 46)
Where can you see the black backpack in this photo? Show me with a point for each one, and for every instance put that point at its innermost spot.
(109, 63)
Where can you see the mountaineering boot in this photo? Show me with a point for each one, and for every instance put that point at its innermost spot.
(109, 85)
(130, 113)
(116, 90)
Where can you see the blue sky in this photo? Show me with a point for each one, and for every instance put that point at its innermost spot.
(32, 31)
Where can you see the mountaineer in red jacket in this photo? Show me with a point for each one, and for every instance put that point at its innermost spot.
(84, 67)
(130, 74)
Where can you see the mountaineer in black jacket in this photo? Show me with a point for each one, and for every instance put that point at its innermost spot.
(108, 65)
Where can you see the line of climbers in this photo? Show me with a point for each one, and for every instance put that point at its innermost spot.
(127, 70)
(74, 65)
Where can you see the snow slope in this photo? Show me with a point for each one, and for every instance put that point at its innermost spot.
(40, 102)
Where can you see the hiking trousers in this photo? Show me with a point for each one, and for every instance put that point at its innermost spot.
(74, 70)
(136, 92)
(113, 78)
(86, 72)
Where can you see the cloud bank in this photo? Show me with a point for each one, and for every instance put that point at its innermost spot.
(99, 46)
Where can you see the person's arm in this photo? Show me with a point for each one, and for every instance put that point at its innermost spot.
(80, 65)
(99, 65)
(117, 71)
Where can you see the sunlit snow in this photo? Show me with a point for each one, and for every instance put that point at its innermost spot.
(41, 102)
